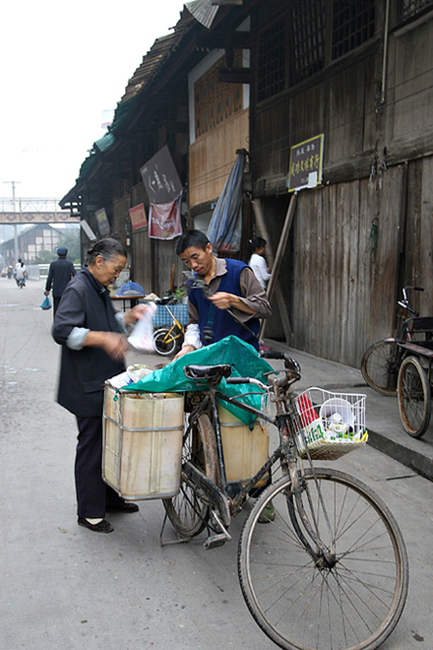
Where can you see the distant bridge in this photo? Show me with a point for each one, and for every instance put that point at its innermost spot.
(30, 211)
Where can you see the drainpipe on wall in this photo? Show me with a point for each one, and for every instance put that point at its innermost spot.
(385, 54)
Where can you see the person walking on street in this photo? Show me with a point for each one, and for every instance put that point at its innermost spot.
(257, 261)
(21, 275)
(60, 272)
(16, 267)
(91, 334)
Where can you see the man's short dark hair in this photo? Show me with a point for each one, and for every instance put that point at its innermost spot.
(192, 238)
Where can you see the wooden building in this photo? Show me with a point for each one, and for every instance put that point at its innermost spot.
(40, 237)
(267, 75)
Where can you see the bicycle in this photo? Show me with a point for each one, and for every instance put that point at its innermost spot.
(169, 339)
(329, 567)
(381, 361)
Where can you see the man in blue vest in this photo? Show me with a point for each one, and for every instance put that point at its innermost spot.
(220, 286)
(224, 296)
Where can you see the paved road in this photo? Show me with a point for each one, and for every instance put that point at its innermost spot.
(64, 587)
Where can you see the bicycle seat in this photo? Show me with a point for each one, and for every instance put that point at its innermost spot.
(166, 300)
(207, 374)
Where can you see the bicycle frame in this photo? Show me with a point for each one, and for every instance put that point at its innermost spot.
(287, 422)
(175, 324)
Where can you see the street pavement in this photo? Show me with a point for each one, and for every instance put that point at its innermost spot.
(65, 587)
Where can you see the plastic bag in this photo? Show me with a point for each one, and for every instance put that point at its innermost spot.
(242, 358)
(46, 304)
(141, 337)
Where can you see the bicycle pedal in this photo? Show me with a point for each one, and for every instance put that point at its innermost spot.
(213, 541)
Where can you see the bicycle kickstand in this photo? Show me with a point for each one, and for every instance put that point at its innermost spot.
(213, 541)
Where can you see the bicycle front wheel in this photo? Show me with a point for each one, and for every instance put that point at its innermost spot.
(379, 368)
(414, 397)
(303, 603)
(164, 340)
(188, 511)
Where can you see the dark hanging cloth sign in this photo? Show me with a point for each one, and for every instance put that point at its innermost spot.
(103, 223)
(306, 162)
(160, 177)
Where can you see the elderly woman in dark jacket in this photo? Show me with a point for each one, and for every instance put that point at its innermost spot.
(92, 336)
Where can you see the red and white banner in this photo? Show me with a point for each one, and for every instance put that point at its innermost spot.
(164, 220)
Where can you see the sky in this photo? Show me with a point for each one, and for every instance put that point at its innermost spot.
(62, 65)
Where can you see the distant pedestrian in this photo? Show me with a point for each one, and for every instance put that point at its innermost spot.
(21, 275)
(257, 261)
(59, 274)
(16, 267)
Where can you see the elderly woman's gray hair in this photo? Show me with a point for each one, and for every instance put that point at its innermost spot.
(108, 248)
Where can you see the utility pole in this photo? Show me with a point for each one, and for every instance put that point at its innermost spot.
(13, 183)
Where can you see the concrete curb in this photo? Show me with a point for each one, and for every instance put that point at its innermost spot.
(420, 463)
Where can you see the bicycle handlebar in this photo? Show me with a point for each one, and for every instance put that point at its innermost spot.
(291, 365)
(247, 380)
(404, 306)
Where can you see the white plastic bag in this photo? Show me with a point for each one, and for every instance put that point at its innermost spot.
(141, 337)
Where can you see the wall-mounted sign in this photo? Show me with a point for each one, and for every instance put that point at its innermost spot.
(306, 161)
(103, 223)
(138, 216)
(160, 177)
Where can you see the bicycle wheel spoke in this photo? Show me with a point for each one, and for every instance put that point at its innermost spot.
(188, 512)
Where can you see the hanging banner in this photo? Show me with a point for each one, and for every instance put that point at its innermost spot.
(160, 177)
(138, 216)
(164, 220)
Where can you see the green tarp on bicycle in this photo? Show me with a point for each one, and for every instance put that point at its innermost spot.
(243, 359)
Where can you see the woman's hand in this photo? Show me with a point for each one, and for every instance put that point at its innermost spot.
(135, 313)
(114, 344)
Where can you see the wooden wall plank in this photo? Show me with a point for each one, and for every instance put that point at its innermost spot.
(212, 156)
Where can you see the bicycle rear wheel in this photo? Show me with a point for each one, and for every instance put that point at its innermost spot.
(188, 511)
(298, 601)
(165, 341)
(379, 369)
(414, 397)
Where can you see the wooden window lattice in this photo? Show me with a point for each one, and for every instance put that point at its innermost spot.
(410, 8)
(272, 60)
(307, 38)
(215, 101)
(353, 24)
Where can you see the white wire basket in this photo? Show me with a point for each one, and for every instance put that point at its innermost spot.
(331, 424)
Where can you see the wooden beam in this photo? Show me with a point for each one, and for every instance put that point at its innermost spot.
(263, 231)
(218, 40)
(234, 75)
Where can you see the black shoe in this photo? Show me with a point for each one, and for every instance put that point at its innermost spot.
(123, 507)
(104, 526)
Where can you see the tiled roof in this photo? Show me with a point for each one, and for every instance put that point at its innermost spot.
(150, 64)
